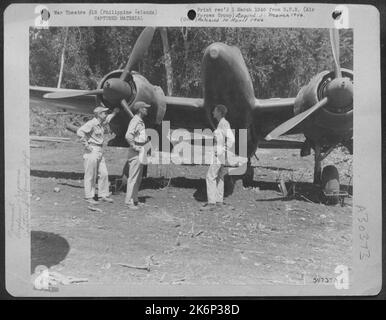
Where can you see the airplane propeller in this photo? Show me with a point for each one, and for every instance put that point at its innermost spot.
(288, 125)
(334, 39)
(112, 89)
(338, 93)
(141, 45)
(70, 94)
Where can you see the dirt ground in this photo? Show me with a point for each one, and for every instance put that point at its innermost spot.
(258, 238)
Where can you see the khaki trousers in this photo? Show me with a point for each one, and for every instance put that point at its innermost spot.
(135, 177)
(95, 169)
(215, 182)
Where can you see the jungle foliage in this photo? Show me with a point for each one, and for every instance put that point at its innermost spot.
(279, 60)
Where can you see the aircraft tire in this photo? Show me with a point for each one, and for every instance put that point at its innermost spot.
(330, 184)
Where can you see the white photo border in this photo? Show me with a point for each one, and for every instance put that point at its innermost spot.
(366, 276)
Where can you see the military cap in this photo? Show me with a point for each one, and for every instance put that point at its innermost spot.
(140, 104)
(100, 109)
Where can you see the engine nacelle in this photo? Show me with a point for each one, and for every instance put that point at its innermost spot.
(332, 123)
(134, 88)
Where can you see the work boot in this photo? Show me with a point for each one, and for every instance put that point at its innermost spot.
(91, 201)
(208, 207)
(224, 205)
(141, 204)
(107, 199)
(131, 205)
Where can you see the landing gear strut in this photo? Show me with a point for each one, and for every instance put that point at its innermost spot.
(328, 179)
(248, 176)
(319, 157)
(317, 165)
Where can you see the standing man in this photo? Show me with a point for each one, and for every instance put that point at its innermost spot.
(223, 141)
(136, 137)
(92, 135)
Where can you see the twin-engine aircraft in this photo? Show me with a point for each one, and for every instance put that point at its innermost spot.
(322, 110)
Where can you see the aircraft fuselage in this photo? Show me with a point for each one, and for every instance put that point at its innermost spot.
(226, 81)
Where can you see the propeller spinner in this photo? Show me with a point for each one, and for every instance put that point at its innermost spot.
(114, 90)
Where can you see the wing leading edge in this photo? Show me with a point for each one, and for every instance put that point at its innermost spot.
(275, 104)
(181, 112)
(82, 104)
(187, 113)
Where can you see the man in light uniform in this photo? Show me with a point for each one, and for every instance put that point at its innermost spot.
(223, 141)
(136, 137)
(92, 135)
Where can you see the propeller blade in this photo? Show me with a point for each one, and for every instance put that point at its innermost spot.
(291, 123)
(140, 48)
(70, 94)
(126, 107)
(334, 39)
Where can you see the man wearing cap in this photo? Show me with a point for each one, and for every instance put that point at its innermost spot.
(92, 134)
(223, 141)
(136, 137)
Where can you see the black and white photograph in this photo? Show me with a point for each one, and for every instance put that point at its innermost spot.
(173, 157)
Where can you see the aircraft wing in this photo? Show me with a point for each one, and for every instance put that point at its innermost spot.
(187, 113)
(275, 111)
(275, 104)
(284, 143)
(81, 104)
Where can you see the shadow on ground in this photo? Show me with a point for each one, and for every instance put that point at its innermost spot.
(305, 191)
(274, 168)
(63, 175)
(47, 249)
(199, 184)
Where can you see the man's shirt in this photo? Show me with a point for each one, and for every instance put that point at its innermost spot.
(223, 137)
(136, 133)
(93, 130)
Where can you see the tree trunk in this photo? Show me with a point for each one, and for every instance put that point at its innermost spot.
(62, 59)
(184, 31)
(223, 34)
(168, 61)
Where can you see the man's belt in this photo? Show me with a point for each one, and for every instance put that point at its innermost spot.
(95, 144)
(139, 143)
